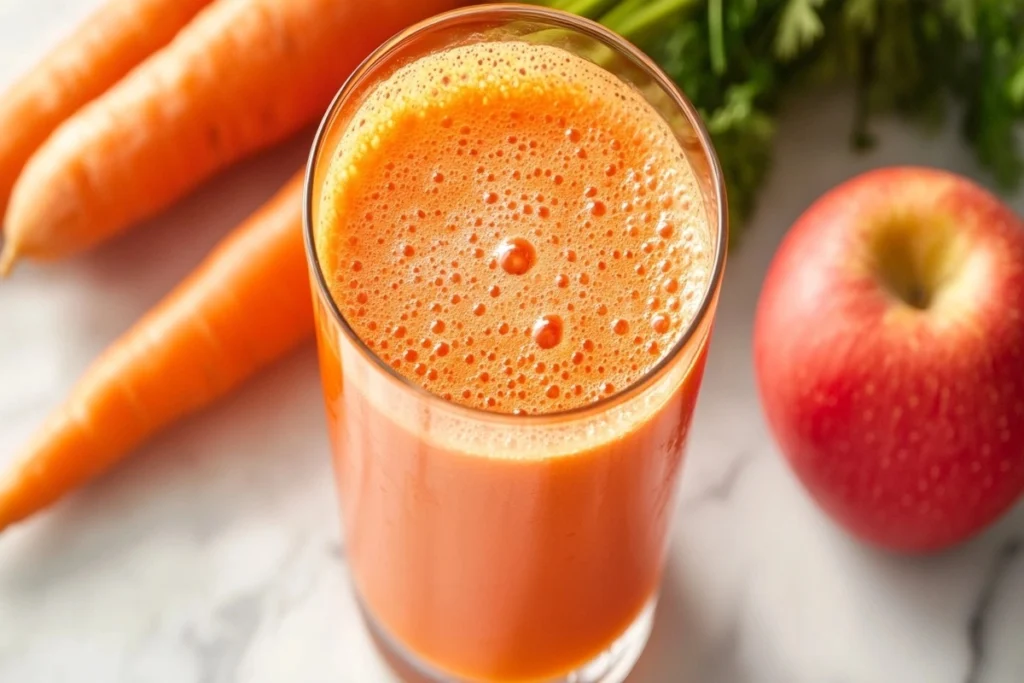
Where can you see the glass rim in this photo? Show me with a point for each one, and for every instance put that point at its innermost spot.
(555, 19)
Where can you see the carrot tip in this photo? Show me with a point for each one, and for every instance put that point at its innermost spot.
(8, 257)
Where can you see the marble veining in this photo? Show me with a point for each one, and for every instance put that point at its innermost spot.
(1007, 554)
(214, 555)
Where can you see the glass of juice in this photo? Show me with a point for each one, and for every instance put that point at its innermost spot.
(516, 230)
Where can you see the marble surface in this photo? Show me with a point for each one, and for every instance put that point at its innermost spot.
(213, 555)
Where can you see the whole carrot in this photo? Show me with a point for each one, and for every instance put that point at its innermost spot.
(108, 44)
(243, 75)
(245, 306)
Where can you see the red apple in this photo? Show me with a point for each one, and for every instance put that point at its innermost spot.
(889, 352)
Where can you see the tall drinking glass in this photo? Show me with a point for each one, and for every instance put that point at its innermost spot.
(489, 546)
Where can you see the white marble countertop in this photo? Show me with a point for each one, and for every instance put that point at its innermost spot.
(213, 555)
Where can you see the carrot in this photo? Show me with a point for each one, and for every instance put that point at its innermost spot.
(246, 305)
(107, 45)
(243, 75)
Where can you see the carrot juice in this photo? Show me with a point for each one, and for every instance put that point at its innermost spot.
(516, 257)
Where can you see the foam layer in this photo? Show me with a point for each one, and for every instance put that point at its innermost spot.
(513, 228)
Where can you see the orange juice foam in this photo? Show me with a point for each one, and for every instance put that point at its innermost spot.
(513, 228)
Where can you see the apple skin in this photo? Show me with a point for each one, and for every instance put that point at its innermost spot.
(905, 424)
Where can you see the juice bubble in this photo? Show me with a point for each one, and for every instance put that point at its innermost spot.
(516, 256)
(547, 331)
(661, 323)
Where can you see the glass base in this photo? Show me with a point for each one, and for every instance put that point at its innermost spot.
(611, 666)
